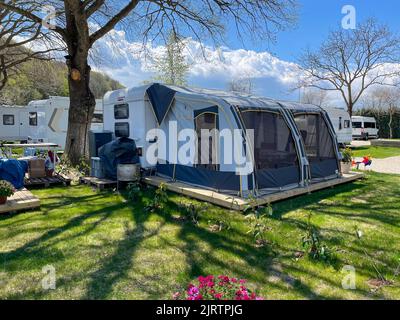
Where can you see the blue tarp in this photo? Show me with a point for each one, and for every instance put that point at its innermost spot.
(119, 151)
(13, 171)
(161, 98)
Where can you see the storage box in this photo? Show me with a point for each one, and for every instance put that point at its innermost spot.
(96, 168)
(36, 168)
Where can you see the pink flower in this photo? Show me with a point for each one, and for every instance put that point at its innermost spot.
(217, 288)
(218, 296)
(192, 291)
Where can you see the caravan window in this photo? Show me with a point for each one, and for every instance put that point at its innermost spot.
(340, 123)
(274, 146)
(206, 149)
(346, 124)
(8, 119)
(121, 111)
(122, 129)
(33, 119)
(97, 118)
(369, 125)
(357, 125)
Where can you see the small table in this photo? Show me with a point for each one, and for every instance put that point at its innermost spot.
(47, 146)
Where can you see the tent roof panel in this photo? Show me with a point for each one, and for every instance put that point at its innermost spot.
(161, 97)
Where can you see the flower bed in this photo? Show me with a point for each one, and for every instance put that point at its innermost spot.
(217, 288)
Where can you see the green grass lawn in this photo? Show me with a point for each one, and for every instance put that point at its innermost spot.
(103, 247)
(376, 152)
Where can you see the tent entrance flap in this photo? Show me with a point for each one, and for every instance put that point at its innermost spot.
(161, 98)
(318, 144)
(276, 162)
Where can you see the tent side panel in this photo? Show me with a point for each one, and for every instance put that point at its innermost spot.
(217, 180)
(278, 178)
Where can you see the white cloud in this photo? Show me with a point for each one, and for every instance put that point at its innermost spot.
(131, 64)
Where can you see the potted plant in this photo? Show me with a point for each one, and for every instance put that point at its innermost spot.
(347, 159)
(6, 190)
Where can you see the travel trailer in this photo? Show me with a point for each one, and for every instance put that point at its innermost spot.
(13, 123)
(49, 119)
(364, 127)
(284, 144)
(42, 121)
(341, 122)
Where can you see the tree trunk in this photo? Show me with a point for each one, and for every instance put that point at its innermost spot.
(390, 124)
(81, 109)
(350, 109)
(82, 101)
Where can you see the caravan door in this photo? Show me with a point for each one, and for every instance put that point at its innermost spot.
(24, 130)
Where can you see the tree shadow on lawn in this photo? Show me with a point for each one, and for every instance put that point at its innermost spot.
(302, 201)
(194, 240)
(36, 249)
(117, 266)
(258, 261)
(113, 268)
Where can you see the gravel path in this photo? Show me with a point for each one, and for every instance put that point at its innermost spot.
(387, 165)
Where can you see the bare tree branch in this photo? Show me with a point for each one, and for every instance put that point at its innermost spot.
(353, 61)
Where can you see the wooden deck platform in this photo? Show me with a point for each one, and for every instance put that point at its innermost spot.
(21, 200)
(237, 203)
(46, 182)
(98, 183)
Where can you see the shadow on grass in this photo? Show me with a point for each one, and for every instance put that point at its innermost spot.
(198, 244)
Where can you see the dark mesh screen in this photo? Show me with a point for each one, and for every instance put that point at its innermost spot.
(206, 150)
(274, 146)
(317, 139)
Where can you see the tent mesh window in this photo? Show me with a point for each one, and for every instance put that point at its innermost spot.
(274, 146)
(317, 139)
(206, 125)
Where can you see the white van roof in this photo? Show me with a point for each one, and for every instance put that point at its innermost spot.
(361, 118)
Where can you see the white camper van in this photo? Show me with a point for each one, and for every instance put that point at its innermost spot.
(364, 127)
(13, 123)
(341, 122)
(49, 119)
(42, 121)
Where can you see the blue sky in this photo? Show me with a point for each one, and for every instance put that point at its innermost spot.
(316, 19)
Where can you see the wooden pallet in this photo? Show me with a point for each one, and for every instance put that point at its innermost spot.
(98, 183)
(46, 182)
(238, 203)
(21, 200)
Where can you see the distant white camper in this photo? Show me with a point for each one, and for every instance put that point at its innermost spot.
(43, 121)
(341, 121)
(364, 128)
(13, 123)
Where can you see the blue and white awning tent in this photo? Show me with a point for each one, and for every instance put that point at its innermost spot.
(294, 144)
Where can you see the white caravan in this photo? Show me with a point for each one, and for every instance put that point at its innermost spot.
(43, 121)
(364, 127)
(13, 122)
(341, 121)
